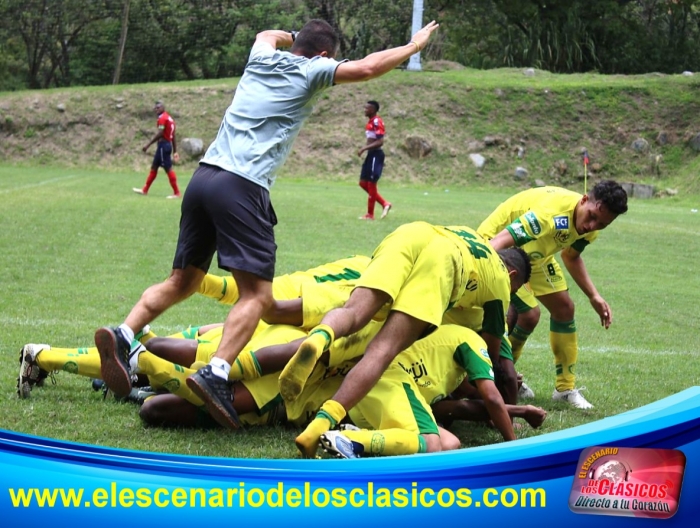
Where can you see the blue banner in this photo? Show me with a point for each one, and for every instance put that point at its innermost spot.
(527, 482)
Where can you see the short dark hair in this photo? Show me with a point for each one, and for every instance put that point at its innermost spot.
(516, 259)
(315, 37)
(375, 104)
(611, 195)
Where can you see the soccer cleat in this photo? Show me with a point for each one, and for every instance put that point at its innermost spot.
(366, 217)
(139, 191)
(348, 427)
(115, 352)
(385, 211)
(173, 196)
(335, 443)
(216, 394)
(573, 397)
(30, 373)
(138, 395)
(525, 392)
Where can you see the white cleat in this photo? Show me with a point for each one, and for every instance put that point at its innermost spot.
(573, 397)
(336, 444)
(525, 392)
(138, 191)
(30, 373)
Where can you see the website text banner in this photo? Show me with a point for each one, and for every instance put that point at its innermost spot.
(528, 482)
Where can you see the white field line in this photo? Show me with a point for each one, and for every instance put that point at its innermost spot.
(612, 350)
(37, 184)
(676, 229)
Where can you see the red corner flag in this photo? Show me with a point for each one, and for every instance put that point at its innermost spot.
(586, 161)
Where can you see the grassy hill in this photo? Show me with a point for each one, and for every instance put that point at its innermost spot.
(545, 119)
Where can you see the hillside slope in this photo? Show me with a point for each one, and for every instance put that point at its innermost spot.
(539, 122)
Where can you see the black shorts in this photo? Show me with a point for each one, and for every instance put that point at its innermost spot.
(373, 166)
(163, 155)
(231, 215)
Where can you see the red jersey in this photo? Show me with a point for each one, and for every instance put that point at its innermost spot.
(374, 128)
(167, 125)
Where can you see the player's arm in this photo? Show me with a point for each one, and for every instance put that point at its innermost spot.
(577, 269)
(502, 240)
(275, 38)
(155, 138)
(176, 156)
(496, 407)
(381, 62)
(378, 142)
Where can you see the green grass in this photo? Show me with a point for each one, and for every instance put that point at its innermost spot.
(77, 249)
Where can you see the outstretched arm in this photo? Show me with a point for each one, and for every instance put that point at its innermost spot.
(496, 407)
(577, 268)
(381, 62)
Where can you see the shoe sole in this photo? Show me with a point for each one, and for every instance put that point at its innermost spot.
(24, 387)
(294, 375)
(114, 374)
(216, 410)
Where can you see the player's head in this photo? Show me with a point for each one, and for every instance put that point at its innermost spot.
(518, 264)
(317, 37)
(371, 108)
(159, 107)
(600, 207)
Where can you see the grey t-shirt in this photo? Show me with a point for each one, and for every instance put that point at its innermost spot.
(274, 97)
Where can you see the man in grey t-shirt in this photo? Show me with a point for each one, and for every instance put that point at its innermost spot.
(226, 207)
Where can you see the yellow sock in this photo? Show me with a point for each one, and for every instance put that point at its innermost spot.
(517, 339)
(327, 417)
(246, 367)
(294, 375)
(223, 289)
(168, 375)
(563, 339)
(147, 336)
(81, 361)
(388, 442)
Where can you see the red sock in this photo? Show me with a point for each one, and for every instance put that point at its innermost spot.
(150, 179)
(374, 194)
(366, 186)
(173, 182)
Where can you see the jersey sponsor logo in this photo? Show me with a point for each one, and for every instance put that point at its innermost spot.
(533, 223)
(484, 353)
(519, 231)
(561, 222)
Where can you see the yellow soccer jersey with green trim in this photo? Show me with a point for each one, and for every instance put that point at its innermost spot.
(488, 286)
(540, 220)
(441, 361)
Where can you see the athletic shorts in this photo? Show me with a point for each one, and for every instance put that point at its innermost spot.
(372, 166)
(547, 277)
(395, 403)
(227, 214)
(420, 269)
(162, 157)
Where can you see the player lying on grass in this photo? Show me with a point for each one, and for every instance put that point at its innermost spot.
(395, 413)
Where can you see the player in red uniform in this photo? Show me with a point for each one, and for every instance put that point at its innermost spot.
(167, 146)
(374, 162)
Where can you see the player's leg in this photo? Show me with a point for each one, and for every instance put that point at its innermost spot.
(195, 249)
(167, 163)
(525, 304)
(563, 339)
(394, 420)
(398, 333)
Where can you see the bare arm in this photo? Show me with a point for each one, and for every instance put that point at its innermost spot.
(496, 407)
(381, 62)
(372, 145)
(275, 38)
(577, 268)
(155, 138)
(502, 240)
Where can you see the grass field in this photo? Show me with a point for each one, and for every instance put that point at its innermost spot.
(77, 248)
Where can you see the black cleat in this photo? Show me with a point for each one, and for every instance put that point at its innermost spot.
(114, 358)
(216, 394)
